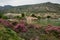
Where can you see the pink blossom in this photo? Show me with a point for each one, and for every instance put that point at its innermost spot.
(52, 28)
(21, 27)
(5, 22)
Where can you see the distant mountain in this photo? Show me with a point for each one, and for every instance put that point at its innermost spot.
(34, 8)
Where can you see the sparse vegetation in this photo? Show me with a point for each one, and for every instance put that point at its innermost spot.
(42, 26)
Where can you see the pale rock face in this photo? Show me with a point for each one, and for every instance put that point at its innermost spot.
(30, 19)
(12, 14)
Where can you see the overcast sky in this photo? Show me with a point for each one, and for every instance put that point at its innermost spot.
(25, 2)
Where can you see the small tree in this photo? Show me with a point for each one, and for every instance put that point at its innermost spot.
(1, 15)
(23, 15)
(18, 17)
(33, 15)
(4, 17)
(48, 17)
(39, 17)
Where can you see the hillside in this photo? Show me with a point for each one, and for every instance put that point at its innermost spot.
(34, 8)
(8, 34)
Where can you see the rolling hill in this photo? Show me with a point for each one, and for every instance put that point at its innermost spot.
(34, 8)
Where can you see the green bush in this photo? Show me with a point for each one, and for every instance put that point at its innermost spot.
(8, 34)
(4, 17)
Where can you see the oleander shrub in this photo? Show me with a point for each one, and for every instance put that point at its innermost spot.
(55, 30)
(20, 27)
(8, 34)
(6, 23)
(52, 28)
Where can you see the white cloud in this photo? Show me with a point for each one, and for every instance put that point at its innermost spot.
(24, 2)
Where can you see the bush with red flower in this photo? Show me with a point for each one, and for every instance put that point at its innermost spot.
(6, 23)
(53, 29)
(20, 27)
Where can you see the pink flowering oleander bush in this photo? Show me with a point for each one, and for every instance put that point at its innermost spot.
(31, 31)
(20, 27)
(5, 22)
(52, 28)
